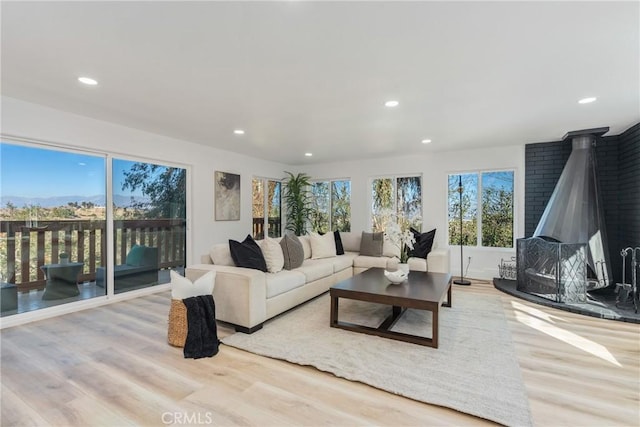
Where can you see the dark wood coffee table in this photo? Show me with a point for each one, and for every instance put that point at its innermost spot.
(424, 291)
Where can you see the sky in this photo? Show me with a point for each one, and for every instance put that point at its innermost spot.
(37, 172)
(501, 180)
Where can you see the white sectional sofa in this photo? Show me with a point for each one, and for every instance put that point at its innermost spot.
(246, 297)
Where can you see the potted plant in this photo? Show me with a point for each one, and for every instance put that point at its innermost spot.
(64, 258)
(397, 230)
(297, 199)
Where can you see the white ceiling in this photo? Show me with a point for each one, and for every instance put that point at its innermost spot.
(313, 76)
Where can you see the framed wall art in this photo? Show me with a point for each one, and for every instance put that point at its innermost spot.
(227, 196)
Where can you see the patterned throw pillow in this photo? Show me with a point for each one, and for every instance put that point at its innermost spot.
(371, 244)
(247, 254)
(292, 251)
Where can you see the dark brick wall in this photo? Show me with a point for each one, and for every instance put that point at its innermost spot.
(629, 185)
(618, 171)
(542, 168)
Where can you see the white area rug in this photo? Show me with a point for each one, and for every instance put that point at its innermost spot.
(474, 370)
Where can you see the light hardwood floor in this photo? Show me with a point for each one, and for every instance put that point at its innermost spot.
(111, 366)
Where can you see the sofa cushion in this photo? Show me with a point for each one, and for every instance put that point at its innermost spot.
(371, 244)
(363, 261)
(123, 270)
(283, 282)
(344, 261)
(182, 288)
(322, 246)
(338, 240)
(273, 255)
(423, 244)
(315, 269)
(417, 264)
(135, 255)
(220, 254)
(247, 254)
(292, 251)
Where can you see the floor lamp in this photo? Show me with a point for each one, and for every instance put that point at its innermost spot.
(461, 281)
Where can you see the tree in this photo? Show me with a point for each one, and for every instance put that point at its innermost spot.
(319, 217)
(165, 187)
(469, 211)
(497, 218)
(341, 206)
(382, 196)
(258, 198)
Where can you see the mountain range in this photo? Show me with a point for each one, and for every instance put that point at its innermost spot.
(120, 200)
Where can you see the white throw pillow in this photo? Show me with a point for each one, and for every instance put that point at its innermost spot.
(182, 288)
(221, 255)
(322, 246)
(306, 246)
(272, 252)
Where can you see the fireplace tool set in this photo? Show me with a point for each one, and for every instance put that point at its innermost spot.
(624, 289)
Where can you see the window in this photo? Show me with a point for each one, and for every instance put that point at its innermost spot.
(463, 190)
(149, 223)
(330, 206)
(491, 224)
(266, 208)
(53, 227)
(399, 196)
(497, 209)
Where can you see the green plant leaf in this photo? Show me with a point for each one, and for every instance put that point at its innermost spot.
(298, 202)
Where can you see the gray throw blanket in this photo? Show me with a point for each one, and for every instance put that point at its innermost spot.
(202, 334)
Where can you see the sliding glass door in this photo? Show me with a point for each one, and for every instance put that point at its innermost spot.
(266, 208)
(149, 223)
(52, 226)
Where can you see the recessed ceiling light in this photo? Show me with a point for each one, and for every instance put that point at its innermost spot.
(426, 141)
(587, 100)
(308, 154)
(391, 104)
(238, 132)
(87, 81)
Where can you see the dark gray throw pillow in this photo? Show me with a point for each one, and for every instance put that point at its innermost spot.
(423, 243)
(292, 250)
(371, 244)
(247, 254)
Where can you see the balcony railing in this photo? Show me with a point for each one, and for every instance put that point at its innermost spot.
(25, 248)
(275, 227)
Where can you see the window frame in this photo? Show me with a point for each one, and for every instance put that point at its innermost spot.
(394, 179)
(330, 181)
(265, 203)
(479, 208)
(108, 156)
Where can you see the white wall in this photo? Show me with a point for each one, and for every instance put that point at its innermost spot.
(434, 167)
(36, 122)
